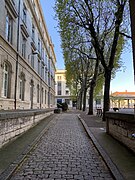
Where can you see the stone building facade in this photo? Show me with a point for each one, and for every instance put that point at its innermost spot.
(27, 58)
(61, 89)
(63, 93)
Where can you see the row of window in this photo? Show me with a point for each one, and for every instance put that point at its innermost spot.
(9, 28)
(59, 78)
(41, 67)
(42, 95)
(6, 80)
(59, 89)
(43, 55)
(59, 92)
(22, 81)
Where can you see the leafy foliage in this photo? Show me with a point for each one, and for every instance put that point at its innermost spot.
(91, 31)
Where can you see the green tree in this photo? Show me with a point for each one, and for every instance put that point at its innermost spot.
(104, 21)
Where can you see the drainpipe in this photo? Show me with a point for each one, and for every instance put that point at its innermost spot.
(17, 55)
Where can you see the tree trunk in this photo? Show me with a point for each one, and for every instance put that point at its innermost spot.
(77, 103)
(91, 91)
(85, 91)
(107, 92)
(80, 100)
(84, 99)
(92, 86)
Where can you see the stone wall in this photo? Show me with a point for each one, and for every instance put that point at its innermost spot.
(122, 127)
(14, 123)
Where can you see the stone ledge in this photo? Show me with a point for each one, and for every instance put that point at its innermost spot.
(127, 117)
(122, 127)
(11, 114)
(15, 122)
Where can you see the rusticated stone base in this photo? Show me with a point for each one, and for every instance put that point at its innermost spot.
(14, 123)
(122, 127)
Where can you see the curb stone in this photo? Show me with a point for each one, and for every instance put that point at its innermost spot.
(112, 167)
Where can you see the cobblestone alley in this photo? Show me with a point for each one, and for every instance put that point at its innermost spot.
(64, 152)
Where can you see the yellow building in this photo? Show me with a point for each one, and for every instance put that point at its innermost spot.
(27, 58)
(122, 99)
(62, 92)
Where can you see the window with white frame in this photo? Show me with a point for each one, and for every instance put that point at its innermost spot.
(42, 95)
(23, 50)
(46, 59)
(22, 87)
(38, 93)
(42, 71)
(6, 80)
(45, 96)
(38, 66)
(46, 75)
(49, 79)
(59, 78)
(59, 88)
(6, 75)
(42, 52)
(32, 58)
(9, 28)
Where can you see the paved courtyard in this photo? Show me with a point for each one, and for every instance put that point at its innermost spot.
(64, 152)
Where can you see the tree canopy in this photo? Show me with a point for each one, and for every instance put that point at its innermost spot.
(98, 25)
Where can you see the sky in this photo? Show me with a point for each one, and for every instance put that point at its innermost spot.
(49, 15)
(124, 79)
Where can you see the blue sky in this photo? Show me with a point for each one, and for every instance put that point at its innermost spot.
(47, 6)
(123, 80)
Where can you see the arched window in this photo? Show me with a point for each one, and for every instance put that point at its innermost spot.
(42, 95)
(31, 92)
(22, 87)
(45, 96)
(38, 93)
(6, 80)
(9, 28)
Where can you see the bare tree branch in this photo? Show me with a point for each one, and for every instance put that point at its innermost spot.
(127, 36)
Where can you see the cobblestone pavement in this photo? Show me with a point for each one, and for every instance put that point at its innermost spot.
(64, 152)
